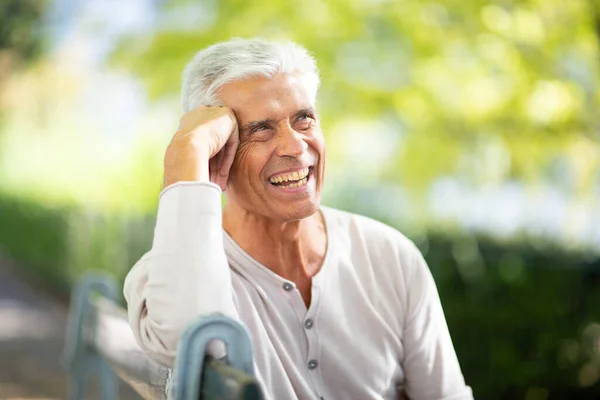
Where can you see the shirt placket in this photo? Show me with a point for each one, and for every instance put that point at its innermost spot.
(308, 320)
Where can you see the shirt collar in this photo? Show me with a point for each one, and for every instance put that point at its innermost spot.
(246, 264)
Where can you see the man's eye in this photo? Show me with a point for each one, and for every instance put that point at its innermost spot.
(305, 121)
(260, 128)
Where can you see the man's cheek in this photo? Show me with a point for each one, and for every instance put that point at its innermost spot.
(243, 156)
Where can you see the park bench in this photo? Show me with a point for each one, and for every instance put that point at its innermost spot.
(100, 343)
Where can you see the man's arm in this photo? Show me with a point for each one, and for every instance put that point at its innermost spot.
(184, 275)
(430, 363)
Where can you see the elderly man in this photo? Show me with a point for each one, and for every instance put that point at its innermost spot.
(339, 306)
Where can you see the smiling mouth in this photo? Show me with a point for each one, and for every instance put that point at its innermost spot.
(291, 179)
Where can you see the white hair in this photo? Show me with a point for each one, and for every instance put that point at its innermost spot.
(239, 59)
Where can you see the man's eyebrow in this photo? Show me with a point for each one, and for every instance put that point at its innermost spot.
(307, 110)
(253, 124)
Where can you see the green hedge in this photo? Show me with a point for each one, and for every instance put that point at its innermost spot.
(524, 321)
(55, 246)
(525, 324)
(36, 237)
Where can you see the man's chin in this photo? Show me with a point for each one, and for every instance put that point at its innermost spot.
(296, 212)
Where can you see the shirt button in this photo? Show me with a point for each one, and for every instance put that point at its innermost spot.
(312, 364)
(287, 286)
(308, 323)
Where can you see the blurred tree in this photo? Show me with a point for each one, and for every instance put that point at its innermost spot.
(20, 35)
(595, 7)
(513, 83)
(20, 27)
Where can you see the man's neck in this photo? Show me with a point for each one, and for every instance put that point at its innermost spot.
(293, 250)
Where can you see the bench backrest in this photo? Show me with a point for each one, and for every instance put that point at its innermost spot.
(99, 341)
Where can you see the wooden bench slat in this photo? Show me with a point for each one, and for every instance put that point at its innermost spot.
(114, 340)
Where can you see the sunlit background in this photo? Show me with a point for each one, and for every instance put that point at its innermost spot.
(472, 126)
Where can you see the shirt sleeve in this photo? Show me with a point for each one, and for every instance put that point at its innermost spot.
(430, 364)
(184, 275)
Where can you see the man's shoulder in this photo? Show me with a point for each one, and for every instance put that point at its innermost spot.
(373, 232)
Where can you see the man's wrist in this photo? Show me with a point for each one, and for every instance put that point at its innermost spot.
(191, 173)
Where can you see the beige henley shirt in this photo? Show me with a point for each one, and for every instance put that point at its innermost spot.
(375, 321)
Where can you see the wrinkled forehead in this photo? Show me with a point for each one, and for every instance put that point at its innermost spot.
(262, 98)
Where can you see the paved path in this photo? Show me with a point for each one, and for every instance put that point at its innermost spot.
(32, 331)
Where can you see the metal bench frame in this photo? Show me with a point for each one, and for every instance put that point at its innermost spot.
(90, 350)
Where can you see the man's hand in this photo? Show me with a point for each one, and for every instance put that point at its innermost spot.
(203, 148)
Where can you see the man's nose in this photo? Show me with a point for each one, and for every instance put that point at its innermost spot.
(290, 143)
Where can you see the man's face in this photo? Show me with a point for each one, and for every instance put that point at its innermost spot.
(279, 166)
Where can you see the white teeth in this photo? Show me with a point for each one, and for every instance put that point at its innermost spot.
(296, 184)
(299, 183)
(296, 176)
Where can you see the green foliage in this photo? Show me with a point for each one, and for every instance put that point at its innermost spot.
(21, 39)
(519, 316)
(449, 77)
(55, 246)
(35, 236)
(20, 31)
